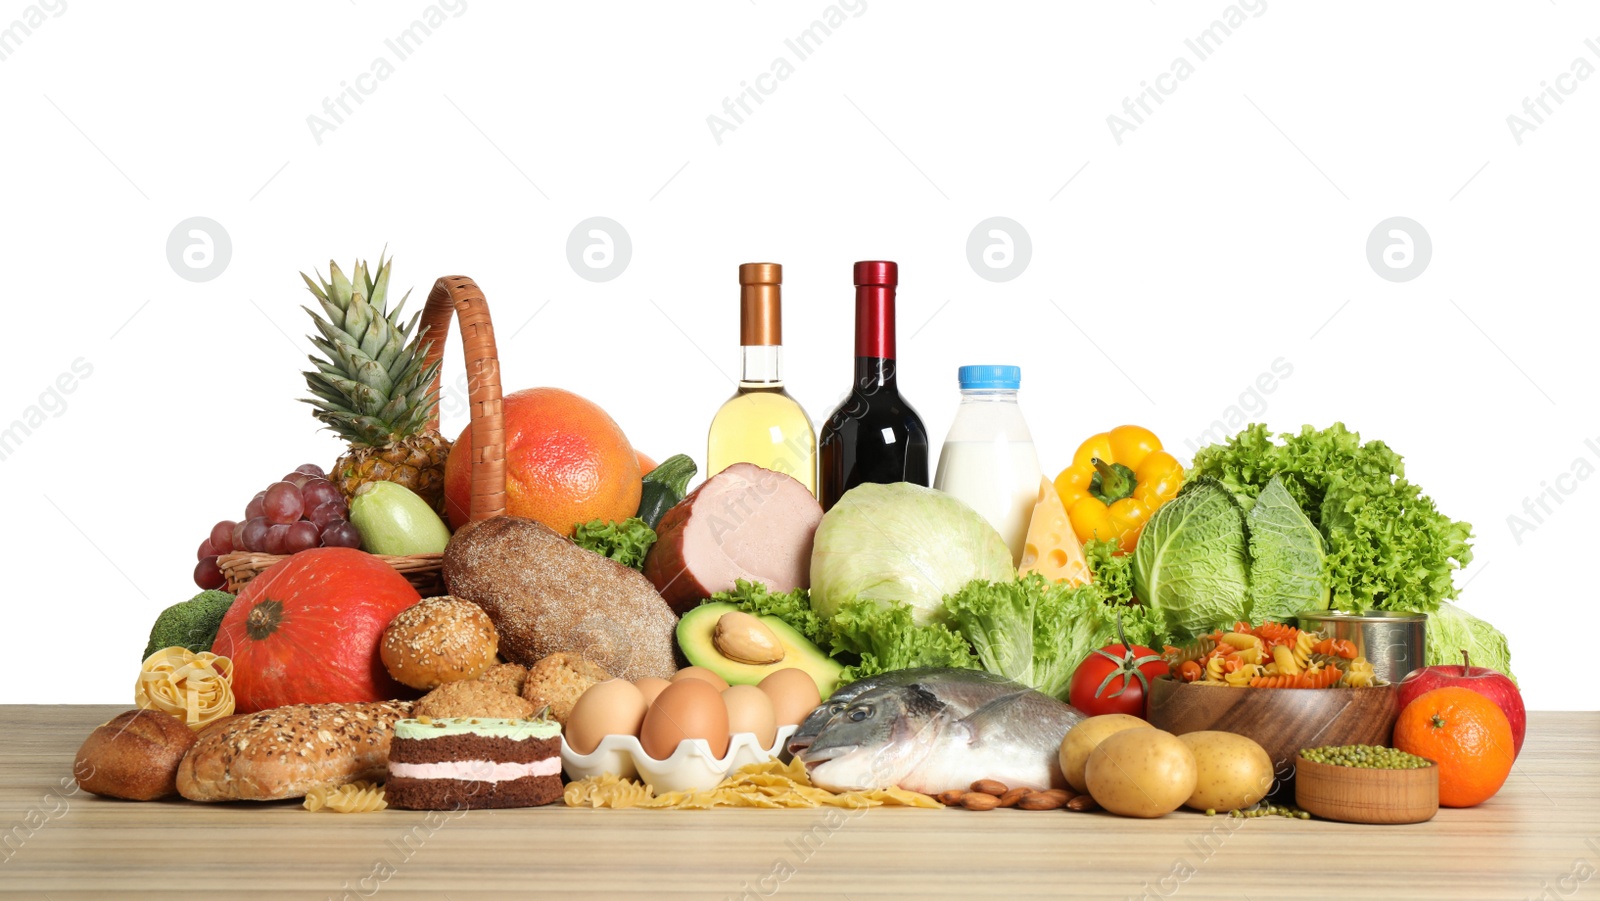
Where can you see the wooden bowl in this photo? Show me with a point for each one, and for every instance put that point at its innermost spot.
(1361, 795)
(1284, 721)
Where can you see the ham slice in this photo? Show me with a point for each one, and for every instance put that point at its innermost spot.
(742, 523)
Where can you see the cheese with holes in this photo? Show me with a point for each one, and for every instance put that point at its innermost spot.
(1051, 549)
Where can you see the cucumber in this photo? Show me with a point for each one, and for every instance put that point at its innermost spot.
(664, 487)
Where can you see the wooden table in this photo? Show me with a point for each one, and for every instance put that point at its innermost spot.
(1538, 838)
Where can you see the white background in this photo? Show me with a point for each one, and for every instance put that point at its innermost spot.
(1167, 273)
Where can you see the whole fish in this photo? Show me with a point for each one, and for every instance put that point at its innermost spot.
(933, 730)
(964, 689)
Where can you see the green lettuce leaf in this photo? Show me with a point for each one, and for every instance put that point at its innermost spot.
(886, 637)
(1191, 565)
(1037, 632)
(1286, 557)
(626, 542)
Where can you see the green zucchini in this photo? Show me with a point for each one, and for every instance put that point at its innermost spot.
(664, 487)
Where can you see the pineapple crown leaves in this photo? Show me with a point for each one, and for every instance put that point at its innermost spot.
(372, 385)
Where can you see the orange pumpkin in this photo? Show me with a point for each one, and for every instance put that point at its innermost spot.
(307, 631)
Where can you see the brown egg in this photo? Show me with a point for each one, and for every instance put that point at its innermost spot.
(700, 672)
(650, 687)
(750, 710)
(688, 708)
(613, 707)
(793, 693)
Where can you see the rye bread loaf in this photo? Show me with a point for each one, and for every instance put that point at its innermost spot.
(287, 751)
(547, 595)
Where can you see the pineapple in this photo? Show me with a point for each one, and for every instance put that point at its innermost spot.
(372, 386)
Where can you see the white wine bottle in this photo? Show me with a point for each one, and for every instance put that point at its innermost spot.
(761, 423)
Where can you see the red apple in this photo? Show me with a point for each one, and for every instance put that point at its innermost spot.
(1487, 682)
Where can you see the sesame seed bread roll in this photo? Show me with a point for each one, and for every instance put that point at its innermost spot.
(547, 595)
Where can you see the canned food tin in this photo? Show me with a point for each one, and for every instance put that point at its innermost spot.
(1396, 643)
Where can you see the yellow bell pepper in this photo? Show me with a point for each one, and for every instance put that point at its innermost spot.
(1116, 481)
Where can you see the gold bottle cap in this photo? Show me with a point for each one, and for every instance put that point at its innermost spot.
(760, 304)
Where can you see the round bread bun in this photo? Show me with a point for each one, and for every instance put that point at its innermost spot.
(438, 640)
(558, 680)
(134, 757)
(469, 698)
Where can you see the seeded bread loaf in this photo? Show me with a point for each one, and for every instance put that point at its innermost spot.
(286, 751)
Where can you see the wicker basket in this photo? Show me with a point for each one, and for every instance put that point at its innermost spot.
(452, 297)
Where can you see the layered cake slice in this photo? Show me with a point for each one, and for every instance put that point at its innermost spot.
(477, 762)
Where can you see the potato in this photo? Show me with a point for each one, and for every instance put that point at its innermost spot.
(1083, 737)
(1141, 773)
(1234, 771)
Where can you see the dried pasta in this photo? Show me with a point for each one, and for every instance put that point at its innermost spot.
(1360, 674)
(352, 797)
(196, 688)
(1338, 647)
(1301, 647)
(1324, 679)
(1271, 655)
(771, 784)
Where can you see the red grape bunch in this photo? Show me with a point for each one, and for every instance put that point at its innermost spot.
(304, 510)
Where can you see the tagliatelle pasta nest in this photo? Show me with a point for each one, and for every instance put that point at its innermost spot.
(196, 688)
(352, 797)
(769, 784)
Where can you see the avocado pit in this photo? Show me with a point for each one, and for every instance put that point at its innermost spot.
(741, 637)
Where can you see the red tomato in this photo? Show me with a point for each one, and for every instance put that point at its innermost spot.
(1115, 679)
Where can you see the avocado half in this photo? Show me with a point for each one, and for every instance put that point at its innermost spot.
(696, 636)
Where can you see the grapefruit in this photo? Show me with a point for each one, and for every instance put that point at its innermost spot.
(567, 463)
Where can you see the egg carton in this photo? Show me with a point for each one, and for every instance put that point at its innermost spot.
(691, 767)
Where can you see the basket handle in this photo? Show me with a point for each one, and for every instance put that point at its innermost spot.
(458, 297)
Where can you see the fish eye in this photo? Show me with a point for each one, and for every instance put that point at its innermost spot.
(858, 714)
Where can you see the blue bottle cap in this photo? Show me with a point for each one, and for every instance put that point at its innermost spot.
(1006, 378)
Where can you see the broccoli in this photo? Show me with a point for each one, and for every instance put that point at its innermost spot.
(192, 624)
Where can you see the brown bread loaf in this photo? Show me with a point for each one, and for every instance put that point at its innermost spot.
(547, 595)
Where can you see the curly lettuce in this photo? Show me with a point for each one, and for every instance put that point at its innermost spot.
(1388, 546)
(886, 637)
(626, 542)
(1037, 632)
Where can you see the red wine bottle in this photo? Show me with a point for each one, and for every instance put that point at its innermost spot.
(874, 435)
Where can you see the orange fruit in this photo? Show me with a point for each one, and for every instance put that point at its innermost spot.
(567, 463)
(1467, 735)
(645, 463)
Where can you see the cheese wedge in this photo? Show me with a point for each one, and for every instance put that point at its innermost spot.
(1052, 550)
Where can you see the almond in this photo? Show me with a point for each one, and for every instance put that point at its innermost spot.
(950, 798)
(1083, 803)
(989, 787)
(1040, 801)
(976, 800)
(1061, 794)
(1010, 798)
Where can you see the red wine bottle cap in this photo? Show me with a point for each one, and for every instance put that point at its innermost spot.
(877, 272)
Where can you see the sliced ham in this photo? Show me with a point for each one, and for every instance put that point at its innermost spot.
(742, 523)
